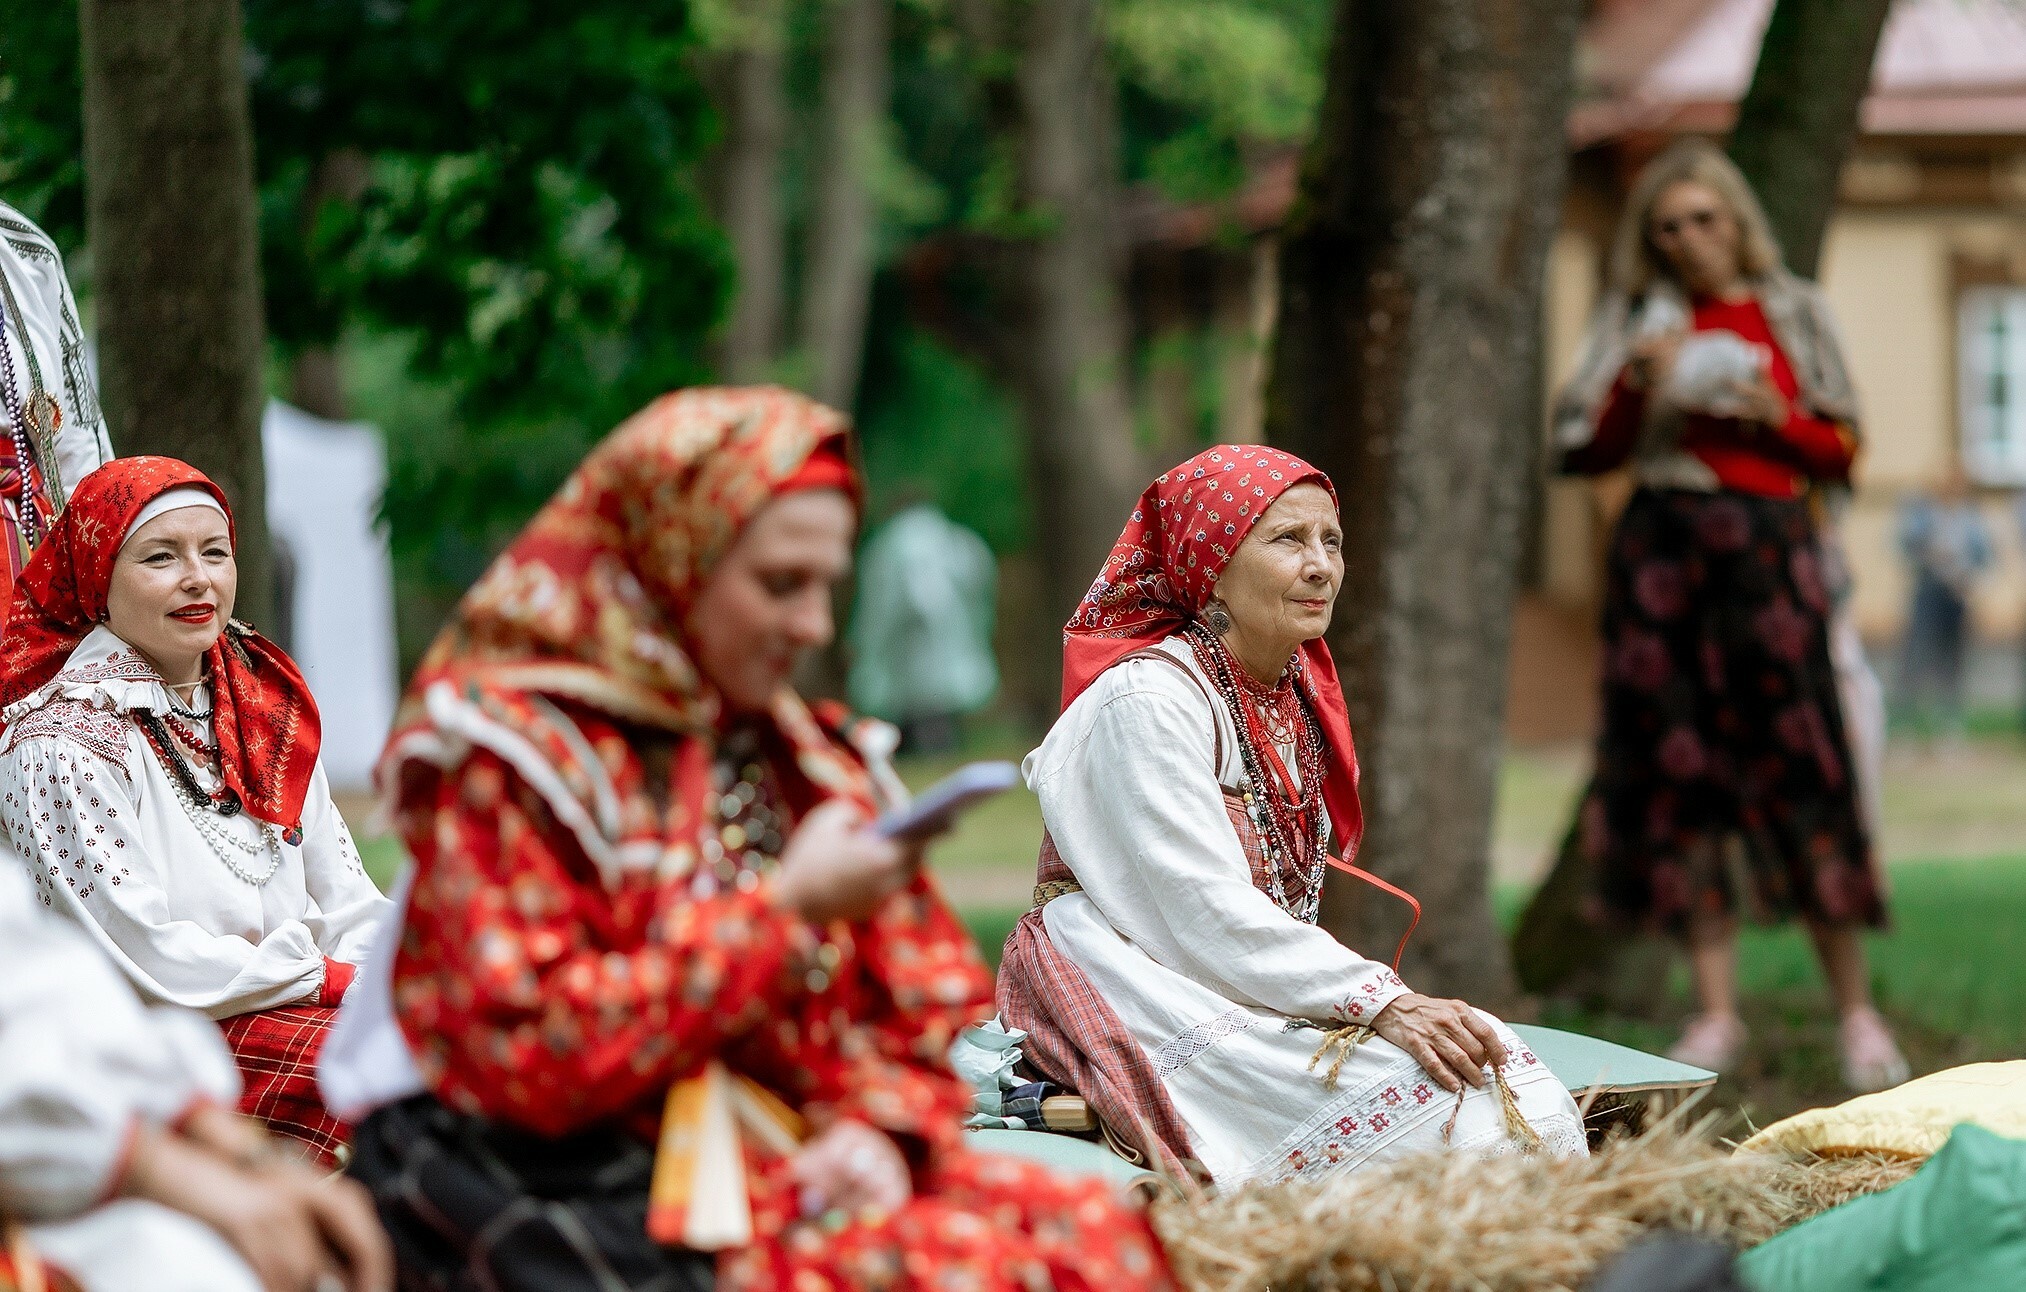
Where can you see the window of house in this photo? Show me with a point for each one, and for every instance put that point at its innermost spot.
(1991, 348)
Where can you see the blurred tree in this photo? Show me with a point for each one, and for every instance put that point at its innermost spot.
(1800, 116)
(851, 127)
(747, 65)
(175, 240)
(1415, 255)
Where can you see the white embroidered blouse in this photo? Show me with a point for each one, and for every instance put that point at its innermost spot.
(165, 888)
(83, 1062)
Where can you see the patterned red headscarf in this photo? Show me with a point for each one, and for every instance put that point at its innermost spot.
(1163, 569)
(265, 719)
(588, 604)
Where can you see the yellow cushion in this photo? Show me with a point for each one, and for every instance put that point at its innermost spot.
(1913, 1120)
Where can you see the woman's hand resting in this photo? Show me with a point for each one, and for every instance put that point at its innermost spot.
(1446, 1037)
(836, 868)
(852, 1167)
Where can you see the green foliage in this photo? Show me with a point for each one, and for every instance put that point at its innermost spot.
(937, 427)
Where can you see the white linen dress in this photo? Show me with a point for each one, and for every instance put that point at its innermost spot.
(42, 314)
(83, 1064)
(1205, 970)
(90, 807)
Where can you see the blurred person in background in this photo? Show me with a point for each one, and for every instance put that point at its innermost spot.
(118, 1155)
(1718, 376)
(55, 432)
(637, 850)
(1947, 547)
(921, 628)
(160, 779)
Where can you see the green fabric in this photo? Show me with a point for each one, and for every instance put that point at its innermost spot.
(1064, 1153)
(1584, 1063)
(1959, 1225)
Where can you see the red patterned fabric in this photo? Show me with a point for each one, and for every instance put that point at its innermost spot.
(18, 495)
(1160, 577)
(277, 1052)
(267, 724)
(568, 955)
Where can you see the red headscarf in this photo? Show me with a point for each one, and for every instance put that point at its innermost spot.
(588, 604)
(1163, 569)
(266, 721)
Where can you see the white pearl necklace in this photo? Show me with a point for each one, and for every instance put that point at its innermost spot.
(224, 843)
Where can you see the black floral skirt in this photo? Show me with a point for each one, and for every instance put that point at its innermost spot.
(1723, 777)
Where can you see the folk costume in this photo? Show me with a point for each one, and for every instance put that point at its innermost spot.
(56, 434)
(592, 919)
(197, 843)
(84, 1065)
(1722, 713)
(1172, 971)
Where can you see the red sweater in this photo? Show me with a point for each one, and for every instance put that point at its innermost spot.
(1745, 457)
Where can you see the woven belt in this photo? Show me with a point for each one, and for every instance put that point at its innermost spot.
(1054, 888)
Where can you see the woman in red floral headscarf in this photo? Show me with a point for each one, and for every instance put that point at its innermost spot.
(638, 851)
(161, 774)
(1172, 970)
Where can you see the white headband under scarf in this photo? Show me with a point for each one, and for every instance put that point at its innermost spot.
(174, 500)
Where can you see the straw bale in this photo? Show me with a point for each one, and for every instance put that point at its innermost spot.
(1451, 1221)
(1814, 1184)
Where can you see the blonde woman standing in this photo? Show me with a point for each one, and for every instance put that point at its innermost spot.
(1725, 754)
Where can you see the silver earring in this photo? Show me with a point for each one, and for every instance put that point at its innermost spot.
(1218, 617)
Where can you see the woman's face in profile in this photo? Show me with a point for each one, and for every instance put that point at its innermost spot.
(1695, 230)
(767, 604)
(1282, 582)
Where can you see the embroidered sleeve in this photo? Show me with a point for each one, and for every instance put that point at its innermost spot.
(532, 993)
(349, 906)
(871, 1040)
(74, 817)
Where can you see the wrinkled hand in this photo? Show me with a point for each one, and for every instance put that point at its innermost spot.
(852, 1167)
(834, 868)
(1651, 361)
(1446, 1037)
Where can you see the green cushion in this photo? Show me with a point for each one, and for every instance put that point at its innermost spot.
(1064, 1153)
(1958, 1225)
(1584, 1063)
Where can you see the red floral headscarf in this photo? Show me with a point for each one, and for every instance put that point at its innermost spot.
(1160, 575)
(588, 605)
(265, 719)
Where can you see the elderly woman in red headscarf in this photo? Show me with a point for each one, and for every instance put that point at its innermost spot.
(638, 851)
(159, 772)
(1172, 971)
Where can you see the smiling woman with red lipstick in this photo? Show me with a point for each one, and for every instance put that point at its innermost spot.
(159, 770)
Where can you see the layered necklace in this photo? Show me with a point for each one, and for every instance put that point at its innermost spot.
(31, 420)
(255, 861)
(750, 829)
(1285, 809)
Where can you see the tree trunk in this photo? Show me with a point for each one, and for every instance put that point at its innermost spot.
(753, 96)
(1085, 466)
(174, 230)
(1800, 117)
(843, 222)
(1794, 130)
(1405, 365)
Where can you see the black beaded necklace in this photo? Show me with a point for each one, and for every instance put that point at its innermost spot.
(1289, 820)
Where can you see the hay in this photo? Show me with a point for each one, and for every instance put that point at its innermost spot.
(1454, 1221)
(1814, 1184)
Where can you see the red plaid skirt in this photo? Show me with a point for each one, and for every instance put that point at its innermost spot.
(277, 1051)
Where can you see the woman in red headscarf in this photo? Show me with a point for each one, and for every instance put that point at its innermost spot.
(637, 851)
(161, 774)
(1172, 970)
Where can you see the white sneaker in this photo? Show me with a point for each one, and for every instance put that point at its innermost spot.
(1711, 1041)
(1871, 1058)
